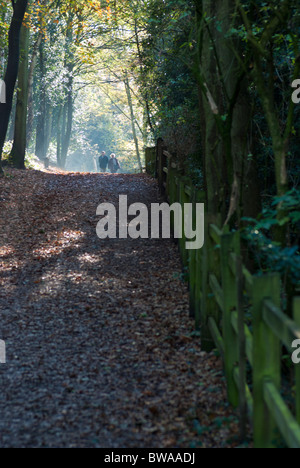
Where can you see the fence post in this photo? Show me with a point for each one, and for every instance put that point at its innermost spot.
(192, 261)
(209, 307)
(199, 197)
(230, 243)
(161, 163)
(183, 198)
(296, 313)
(150, 154)
(171, 185)
(176, 193)
(240, 282)
(170, 182)
(198, 289)
(266, 358)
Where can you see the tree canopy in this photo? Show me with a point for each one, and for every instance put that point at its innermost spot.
(213, 79)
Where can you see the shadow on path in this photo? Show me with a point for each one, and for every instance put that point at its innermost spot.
(100, 349)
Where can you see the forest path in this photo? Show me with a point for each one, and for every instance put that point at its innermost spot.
(100, 349)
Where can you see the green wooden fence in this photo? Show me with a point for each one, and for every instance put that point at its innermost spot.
(222, 291)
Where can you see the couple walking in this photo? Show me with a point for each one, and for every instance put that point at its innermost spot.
(112, 163)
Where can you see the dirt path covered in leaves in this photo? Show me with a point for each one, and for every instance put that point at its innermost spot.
(100, 349)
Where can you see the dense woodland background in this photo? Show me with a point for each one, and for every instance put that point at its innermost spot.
(213, 79)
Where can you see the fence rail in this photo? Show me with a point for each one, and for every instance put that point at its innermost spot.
(222, 291)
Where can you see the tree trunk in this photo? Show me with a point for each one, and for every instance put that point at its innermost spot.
(40, 147)
(12, 69)
(127, 86)
(48, 127)
(264, 69)
(30, 87)
(217, 162)
(67, 124)
(67, 119)
(146, 99)
(225, 113)
(58, 136)
(40, 129)
(12, 120)
(17, 156)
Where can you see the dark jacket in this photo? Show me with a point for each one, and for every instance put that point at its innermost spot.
(103, 162)
(113, 165)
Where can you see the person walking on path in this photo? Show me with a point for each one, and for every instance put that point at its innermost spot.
(103, 162)
(113, 164)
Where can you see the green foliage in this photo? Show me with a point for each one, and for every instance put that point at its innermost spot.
(268, 254)
(6, 151)
(5, 16)
(165, 76)
(98, 124)
(31, 161)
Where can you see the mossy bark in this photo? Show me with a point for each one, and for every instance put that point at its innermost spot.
(17, 156)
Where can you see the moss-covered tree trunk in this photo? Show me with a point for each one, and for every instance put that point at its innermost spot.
(226, 114)
(17, 156)
(11, 74)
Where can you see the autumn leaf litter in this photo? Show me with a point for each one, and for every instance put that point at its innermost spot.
(101, 351)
